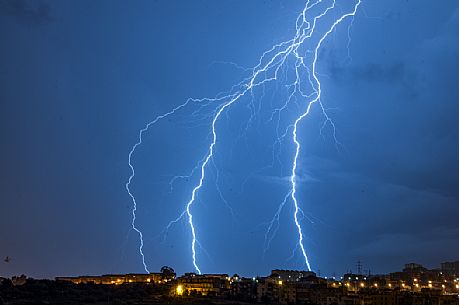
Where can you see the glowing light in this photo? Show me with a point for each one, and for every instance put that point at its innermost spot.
(362, 284)
(179, 290)
(270, 63)
(279, 282)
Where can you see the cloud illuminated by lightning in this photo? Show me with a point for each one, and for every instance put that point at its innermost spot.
(303, 48)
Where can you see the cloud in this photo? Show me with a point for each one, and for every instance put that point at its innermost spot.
(27, 12)
(371, 72)
(409, 245)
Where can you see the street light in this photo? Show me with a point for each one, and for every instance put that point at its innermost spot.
(179, 290)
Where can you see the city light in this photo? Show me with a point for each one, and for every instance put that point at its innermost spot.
(280, 282)
(179, 290)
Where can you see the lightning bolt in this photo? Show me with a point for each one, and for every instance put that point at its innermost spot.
(267, 70)
(298, 120)
(128, 183)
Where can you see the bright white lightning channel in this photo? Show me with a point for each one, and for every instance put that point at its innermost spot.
(270, 63)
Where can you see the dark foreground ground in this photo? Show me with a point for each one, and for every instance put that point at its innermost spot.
(52, 292)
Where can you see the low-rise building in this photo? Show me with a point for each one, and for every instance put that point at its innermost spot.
(244, 289)
(116, 279)
(203, 284)
(450, 268)
(290, 275)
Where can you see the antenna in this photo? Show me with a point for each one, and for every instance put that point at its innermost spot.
(359, 267)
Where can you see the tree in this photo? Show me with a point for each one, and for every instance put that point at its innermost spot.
(167, 272)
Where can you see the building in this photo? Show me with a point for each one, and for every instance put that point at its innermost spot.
(19, 280)
(244, 289)
(117, 279)
(290, 287)
(203, 284)
(290, 275)
(268, 289)
(450, 268)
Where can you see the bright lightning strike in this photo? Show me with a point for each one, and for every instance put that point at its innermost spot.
(303, 48)
(128, 183)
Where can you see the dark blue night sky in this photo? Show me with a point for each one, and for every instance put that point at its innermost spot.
(79, 79)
